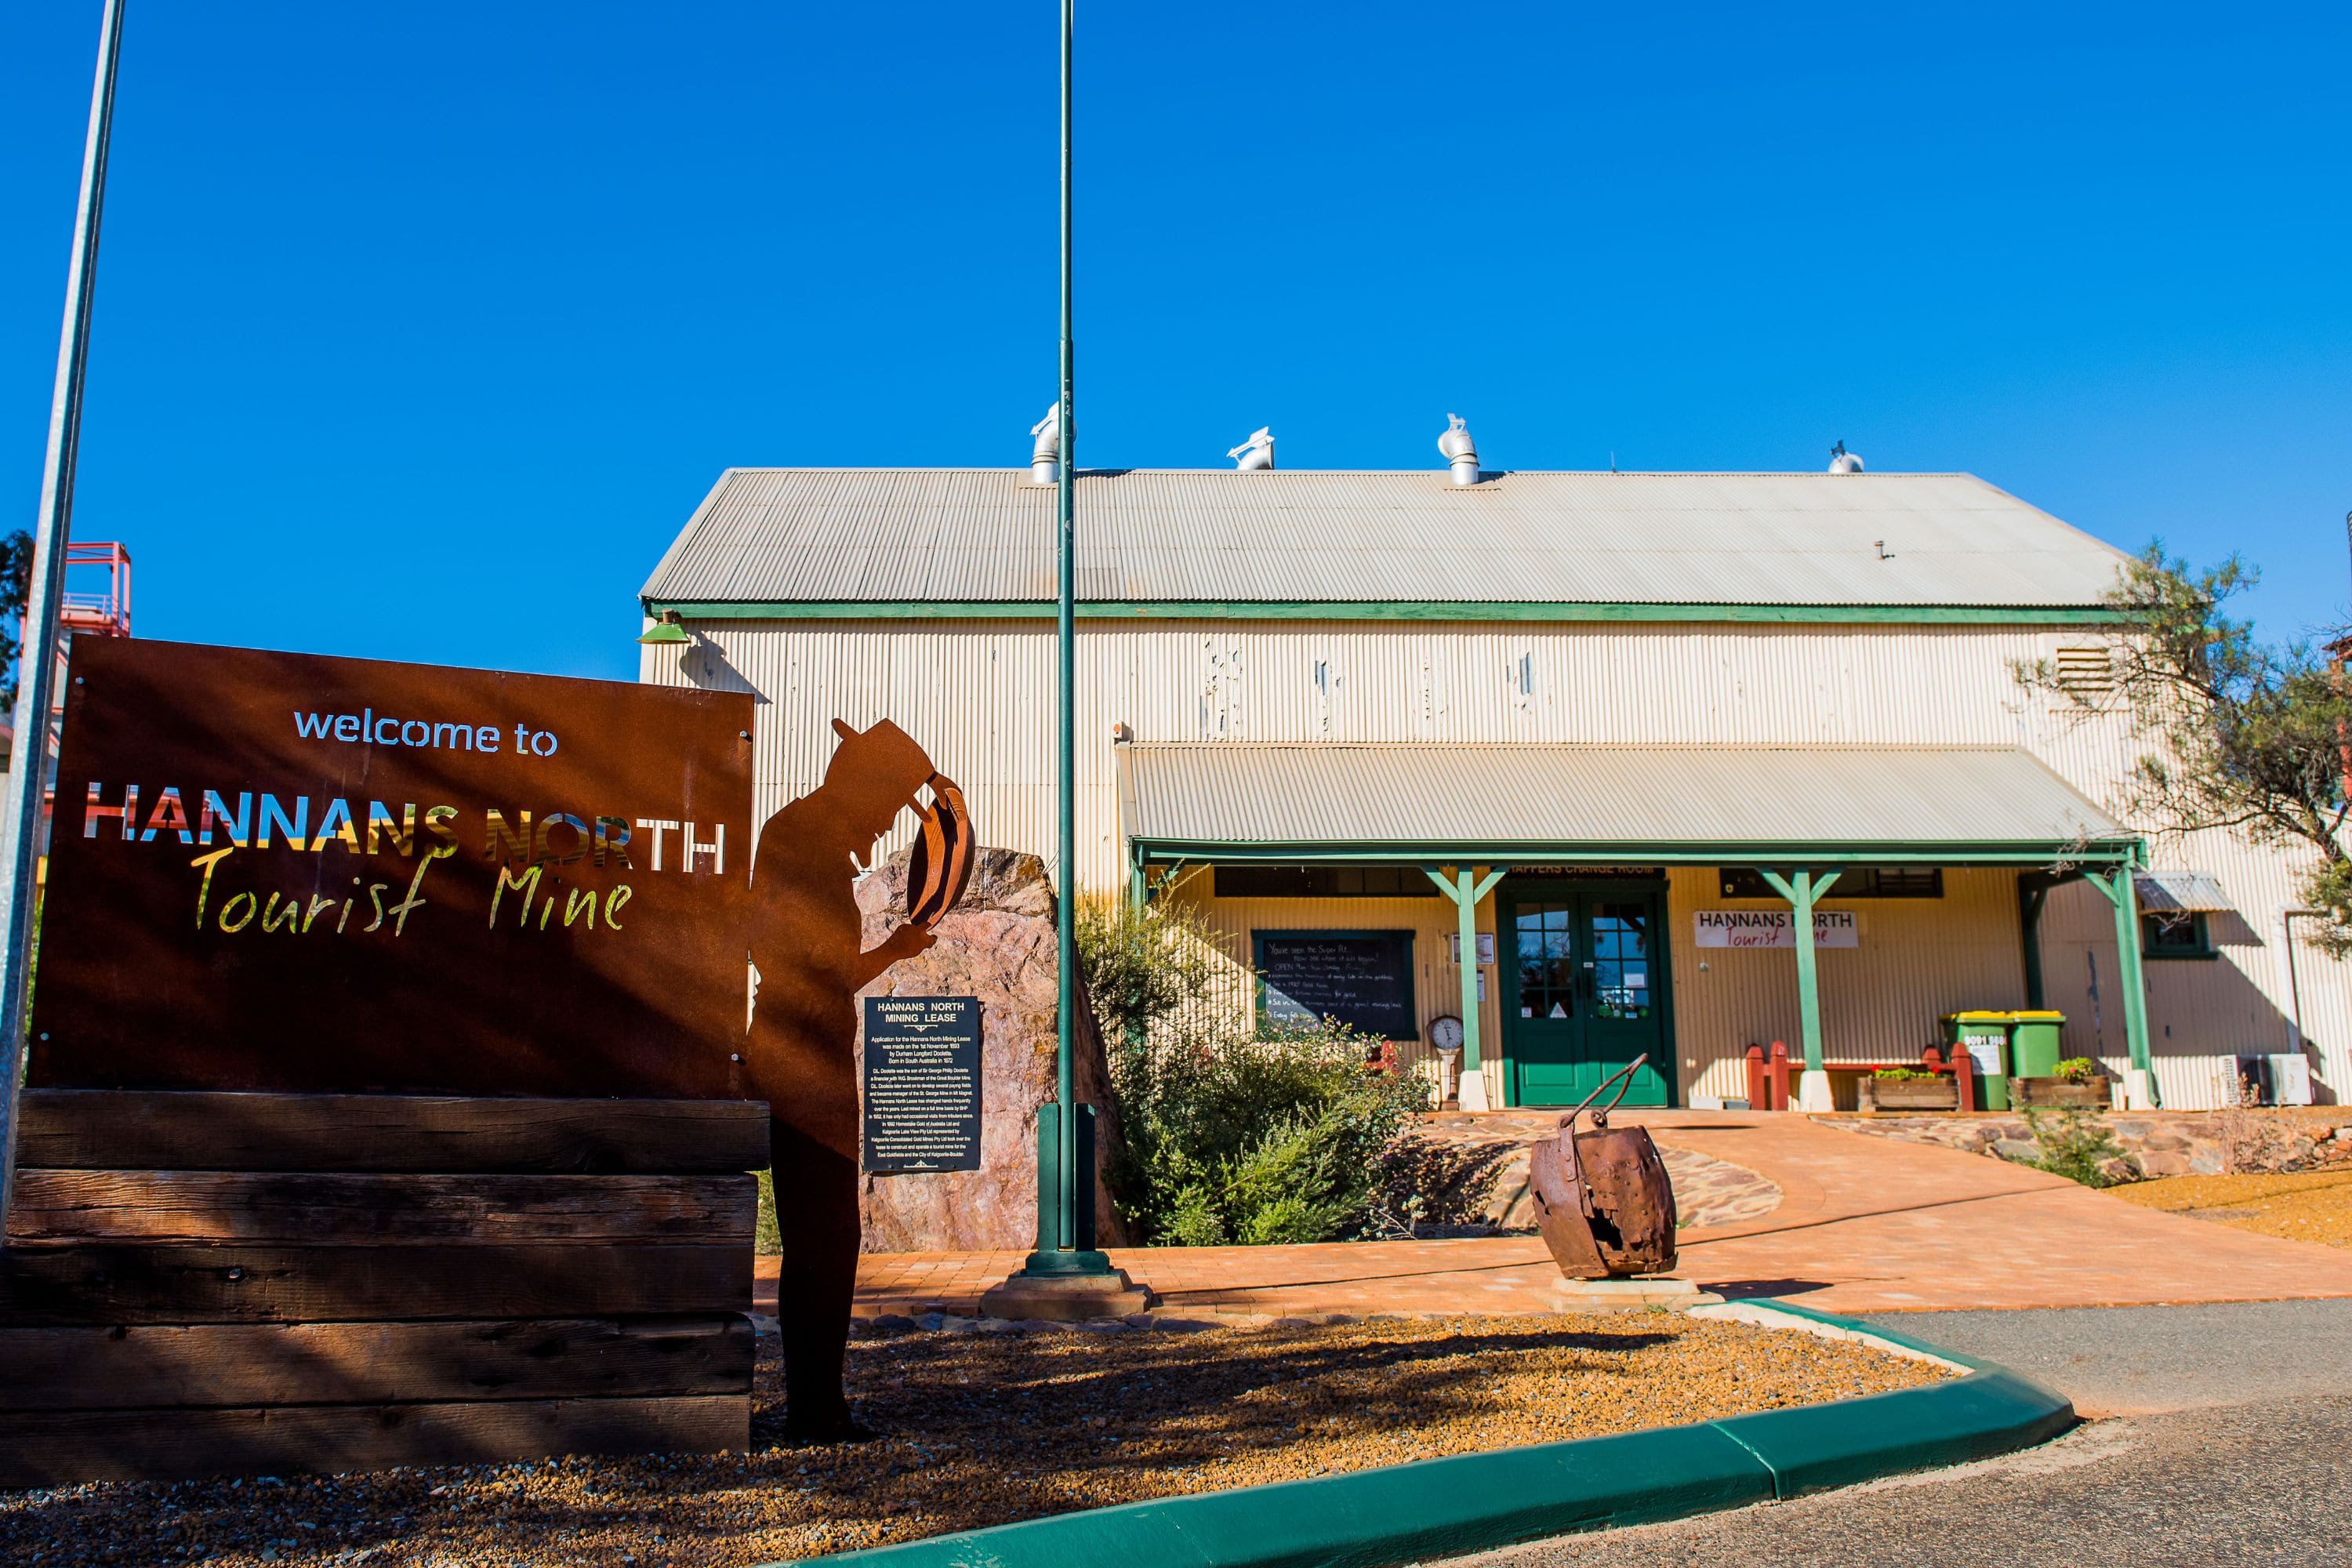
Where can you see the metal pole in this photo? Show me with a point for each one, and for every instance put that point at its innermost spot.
(20, 823)
(1066, 632)
(2294, 984)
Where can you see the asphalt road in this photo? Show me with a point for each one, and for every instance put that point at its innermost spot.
(2234, 1446)
(2114, 1361)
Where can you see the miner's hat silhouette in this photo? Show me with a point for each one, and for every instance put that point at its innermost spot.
(882, 758)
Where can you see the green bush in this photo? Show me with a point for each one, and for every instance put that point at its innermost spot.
(1232, 1137)
(1142, 964)
(1901, 1075)
(2078, 1148)
(2077, 1069)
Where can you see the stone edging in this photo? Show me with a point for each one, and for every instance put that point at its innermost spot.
(1473, 1502)
(2267, 1140)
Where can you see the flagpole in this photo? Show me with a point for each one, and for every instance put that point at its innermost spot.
(1065, 633)
(20, 817)
(1066, 1260)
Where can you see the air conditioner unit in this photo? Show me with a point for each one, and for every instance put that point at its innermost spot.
(2242, 1080)
(2291, 1080)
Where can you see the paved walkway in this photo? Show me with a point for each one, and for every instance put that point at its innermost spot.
(1864, 1225)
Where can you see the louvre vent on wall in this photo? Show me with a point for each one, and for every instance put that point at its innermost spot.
(2086, 671)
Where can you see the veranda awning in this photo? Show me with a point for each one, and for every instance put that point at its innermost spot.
(2184, 892)
(1667, 804)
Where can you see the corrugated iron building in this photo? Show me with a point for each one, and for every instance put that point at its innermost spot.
(1624, 712)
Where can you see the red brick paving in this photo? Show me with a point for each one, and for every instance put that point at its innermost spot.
(1866, 1224)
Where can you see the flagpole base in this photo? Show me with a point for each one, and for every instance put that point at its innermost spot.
(1059, 1295)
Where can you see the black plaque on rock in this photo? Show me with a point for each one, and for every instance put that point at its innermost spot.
(1362, 978)
(922, 1084)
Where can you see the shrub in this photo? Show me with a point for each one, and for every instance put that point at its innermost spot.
(1140, 965)
(1239, 1137)
(2078, 1148)
(1901, 1075)
(1231, 1135)
(2077, 1069)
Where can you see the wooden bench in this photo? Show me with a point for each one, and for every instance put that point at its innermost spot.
(205, 1284)
(1768, 1074)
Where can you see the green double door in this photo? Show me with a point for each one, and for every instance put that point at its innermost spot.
(1584, 989)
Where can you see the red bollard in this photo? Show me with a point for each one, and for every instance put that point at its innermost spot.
(1780, 1076)
(1760, 1088)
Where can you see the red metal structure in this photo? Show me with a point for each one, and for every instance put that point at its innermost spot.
(91, 610)
(96, 613)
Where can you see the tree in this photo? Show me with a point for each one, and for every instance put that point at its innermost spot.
(16, 587)
(2239, 734)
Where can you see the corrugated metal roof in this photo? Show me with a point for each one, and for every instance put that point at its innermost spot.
(982, 535)
(2199, 892)
(1629, 797)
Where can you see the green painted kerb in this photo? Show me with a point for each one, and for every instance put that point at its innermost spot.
(1474, 1502)
(1377, 610)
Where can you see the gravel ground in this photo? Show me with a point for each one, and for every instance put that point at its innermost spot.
(2311, 1205)
(980, 1427)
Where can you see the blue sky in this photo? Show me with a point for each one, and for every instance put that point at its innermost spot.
(422, 328)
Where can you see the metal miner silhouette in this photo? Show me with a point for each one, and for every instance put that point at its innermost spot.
(805, 931)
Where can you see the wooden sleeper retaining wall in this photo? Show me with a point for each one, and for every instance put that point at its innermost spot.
(200, 1284)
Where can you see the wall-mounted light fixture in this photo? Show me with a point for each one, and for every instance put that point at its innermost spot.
(668, 632)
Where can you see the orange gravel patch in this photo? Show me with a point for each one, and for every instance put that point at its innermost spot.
(2309, 1206)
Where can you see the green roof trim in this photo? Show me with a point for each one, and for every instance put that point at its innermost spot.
(1403, 610)
(2023, 853)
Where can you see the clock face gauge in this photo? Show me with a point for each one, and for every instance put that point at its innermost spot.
(1445, 1033)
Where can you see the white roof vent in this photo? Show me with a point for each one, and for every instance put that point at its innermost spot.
(1842, 461)
(1461, 452)
(1256, 453)
(1045, 453)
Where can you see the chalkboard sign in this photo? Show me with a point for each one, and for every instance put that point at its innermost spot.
(922, 1084)
(1362, 978)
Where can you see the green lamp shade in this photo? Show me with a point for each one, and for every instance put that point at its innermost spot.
(667, 632)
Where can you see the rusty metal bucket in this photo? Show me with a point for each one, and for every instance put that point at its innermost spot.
(1603, 1200)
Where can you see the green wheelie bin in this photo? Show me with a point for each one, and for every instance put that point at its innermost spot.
(1977, 1033)
(2033, 1044)
(2024, 1042)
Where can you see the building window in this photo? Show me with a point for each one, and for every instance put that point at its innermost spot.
(1854, 882)
(1323, 882)
(2174, 934)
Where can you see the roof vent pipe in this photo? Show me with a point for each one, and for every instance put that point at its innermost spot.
(1842, 461)
(1256, 453)
(1045, 455)
(1461, 454)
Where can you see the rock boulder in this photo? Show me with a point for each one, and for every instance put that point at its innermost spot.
(998, 945)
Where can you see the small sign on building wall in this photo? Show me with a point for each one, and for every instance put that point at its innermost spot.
(1772, 928)
(1485, 948)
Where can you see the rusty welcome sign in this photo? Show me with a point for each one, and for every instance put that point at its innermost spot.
(273, 871)
(283, 871)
